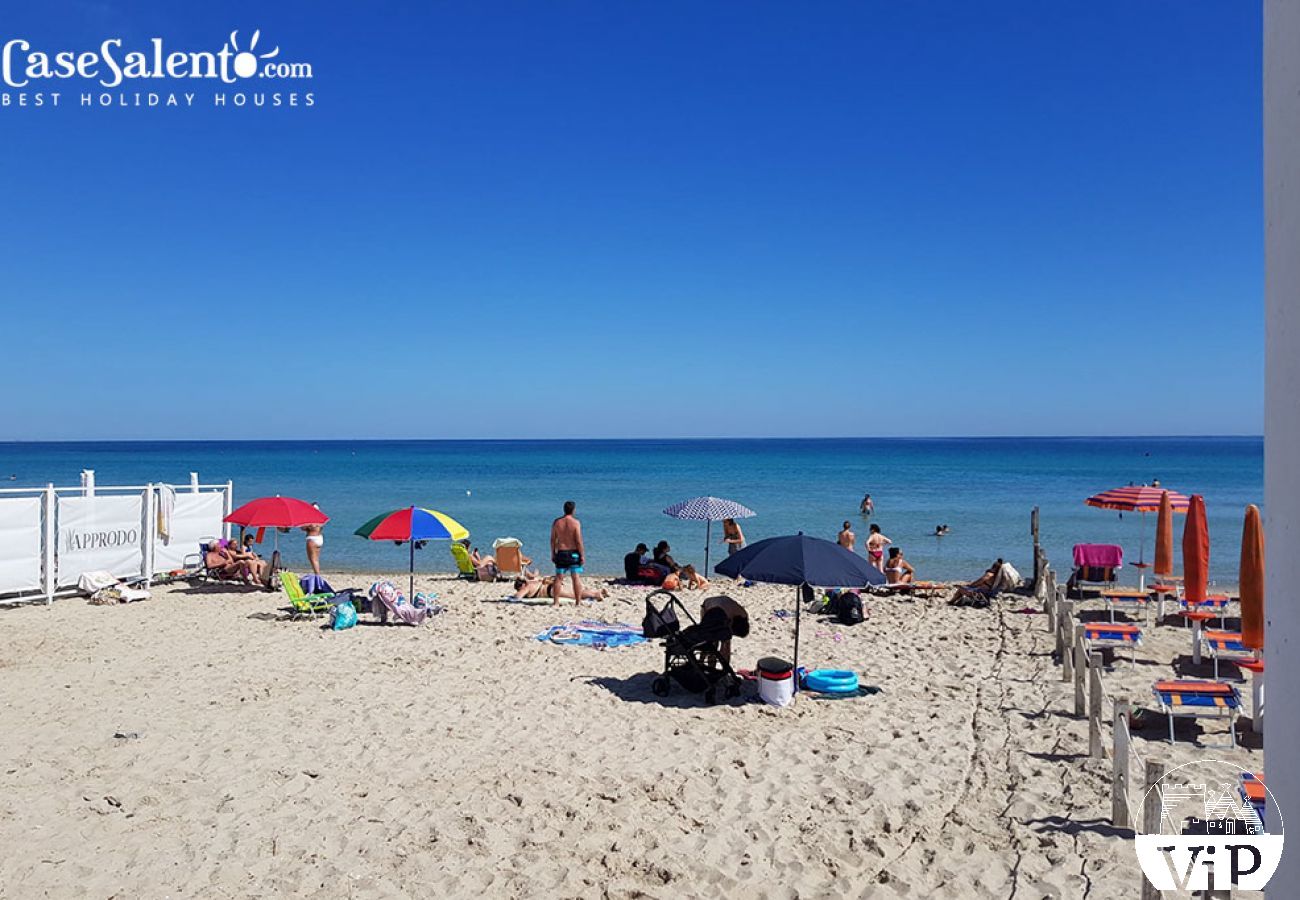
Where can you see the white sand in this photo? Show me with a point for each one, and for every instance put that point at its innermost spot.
(465, 758)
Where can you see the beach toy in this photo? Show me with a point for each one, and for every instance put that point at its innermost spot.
(831, 681)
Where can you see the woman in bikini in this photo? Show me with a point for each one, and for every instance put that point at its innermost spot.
(315, 540)
(898, 570)
(876, 543)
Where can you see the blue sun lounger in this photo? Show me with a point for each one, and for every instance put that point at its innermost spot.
(1101, 634)
(1198, 699)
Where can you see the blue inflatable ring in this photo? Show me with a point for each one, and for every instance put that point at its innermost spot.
(831, 681)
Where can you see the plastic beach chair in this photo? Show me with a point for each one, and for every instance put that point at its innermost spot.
(1226, 645)
(509, 554)
(1198, 699)
(464, 565)
(1099, 634)
(304, 604)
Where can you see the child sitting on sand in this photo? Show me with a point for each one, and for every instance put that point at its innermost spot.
(692, 580)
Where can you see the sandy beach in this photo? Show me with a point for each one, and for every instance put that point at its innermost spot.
(261, 756)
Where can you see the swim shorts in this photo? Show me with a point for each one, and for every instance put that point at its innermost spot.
(567, 562)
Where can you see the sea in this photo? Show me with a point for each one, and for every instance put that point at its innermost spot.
(983, 489)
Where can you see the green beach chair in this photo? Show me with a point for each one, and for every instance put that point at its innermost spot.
(304, 604)
(464, 565)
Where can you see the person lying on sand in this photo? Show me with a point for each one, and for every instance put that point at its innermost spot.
(535, 588)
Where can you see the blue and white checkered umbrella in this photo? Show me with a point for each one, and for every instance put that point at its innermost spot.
(710, 510)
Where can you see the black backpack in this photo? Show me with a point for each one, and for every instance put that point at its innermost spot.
(848, 608)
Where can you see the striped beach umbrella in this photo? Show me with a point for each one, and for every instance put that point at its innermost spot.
(1140, 498)
(413, 524)
(708, 510)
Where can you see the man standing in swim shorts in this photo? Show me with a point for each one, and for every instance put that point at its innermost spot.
(567, 551)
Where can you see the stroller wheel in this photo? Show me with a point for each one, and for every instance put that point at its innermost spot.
(711, 696)
(660, 687)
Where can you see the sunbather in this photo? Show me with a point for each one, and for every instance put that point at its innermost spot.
(897, 569)
(484, 564)
(255, 568)
(219, 560)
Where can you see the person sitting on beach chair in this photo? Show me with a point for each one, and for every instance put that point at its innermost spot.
(983, 589)
(219, 562)
(255, 568)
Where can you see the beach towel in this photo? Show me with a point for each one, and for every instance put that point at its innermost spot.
(166, 507)
(1101, 556)
(601, 635)
(386, 598)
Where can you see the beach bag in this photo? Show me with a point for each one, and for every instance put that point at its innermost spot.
(344, 616)
(659, 622)
(848, 608)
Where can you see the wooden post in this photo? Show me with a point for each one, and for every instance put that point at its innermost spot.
(1151, 816)
(1064, 640)
(1119, 766)
(1095, 749)
(1033, 530)
(1080, 669)
(1049, 601)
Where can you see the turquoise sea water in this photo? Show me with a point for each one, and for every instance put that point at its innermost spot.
(983, 488)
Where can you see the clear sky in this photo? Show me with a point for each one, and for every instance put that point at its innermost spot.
(567, 219)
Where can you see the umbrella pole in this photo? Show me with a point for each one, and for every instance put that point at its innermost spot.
(410, 592)
(708, 528)
(798, 606)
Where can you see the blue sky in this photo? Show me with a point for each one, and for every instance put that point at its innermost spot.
(646, 219)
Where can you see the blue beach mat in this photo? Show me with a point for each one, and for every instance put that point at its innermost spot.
(593, 634)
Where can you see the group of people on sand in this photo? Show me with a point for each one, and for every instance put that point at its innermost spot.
(237, 561)
(658, 567)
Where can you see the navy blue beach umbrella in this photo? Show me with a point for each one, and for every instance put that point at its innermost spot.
(799, 559)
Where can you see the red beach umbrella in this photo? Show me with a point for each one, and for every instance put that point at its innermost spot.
(1165, 536)
(1196, 551)
(1140, 498)
(276, 512)
(1137, 498)
(1252, 580)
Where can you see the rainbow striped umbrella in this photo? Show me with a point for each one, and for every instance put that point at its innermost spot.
(416, 525)
(1140, 498)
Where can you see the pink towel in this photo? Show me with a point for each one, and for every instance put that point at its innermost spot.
(1103, 556)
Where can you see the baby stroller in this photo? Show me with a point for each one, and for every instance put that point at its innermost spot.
(692, 655)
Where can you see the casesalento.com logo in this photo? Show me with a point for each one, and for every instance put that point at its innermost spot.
(153, 74)
(1220, 829)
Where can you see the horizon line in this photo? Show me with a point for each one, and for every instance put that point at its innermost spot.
(508, 440)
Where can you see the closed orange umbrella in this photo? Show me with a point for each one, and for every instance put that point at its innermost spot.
(1196, 551)
(1165, 536)
(1252, 580)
